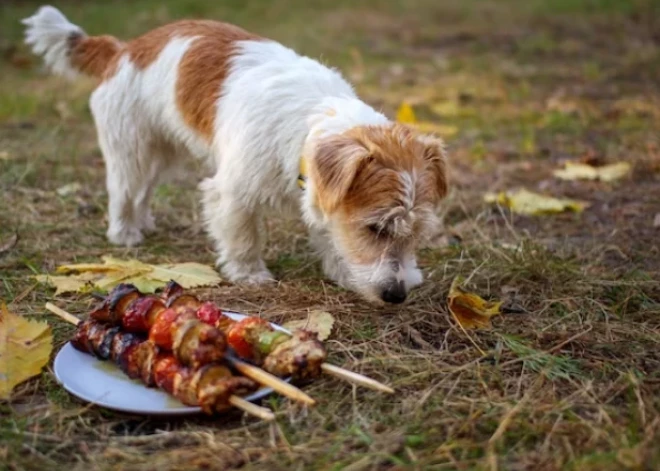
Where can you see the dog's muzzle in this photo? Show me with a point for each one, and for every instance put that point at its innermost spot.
(394, 293)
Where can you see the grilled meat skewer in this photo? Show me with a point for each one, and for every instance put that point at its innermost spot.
(173, 327)
(209, 387)
(299, 355)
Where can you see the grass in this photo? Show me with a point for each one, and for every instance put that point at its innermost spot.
(570, 377)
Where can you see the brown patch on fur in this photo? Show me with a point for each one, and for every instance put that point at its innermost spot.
(95, 56)
(360, 179)
(201, 70)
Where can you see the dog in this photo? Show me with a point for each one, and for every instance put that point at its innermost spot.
(277, 130)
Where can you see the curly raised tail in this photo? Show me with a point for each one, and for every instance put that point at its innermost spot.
(66, 48)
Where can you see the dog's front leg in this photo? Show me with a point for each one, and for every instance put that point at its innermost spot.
(236, 231)
(330, 260)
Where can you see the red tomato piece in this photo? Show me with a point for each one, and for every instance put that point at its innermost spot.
(209, 313)
(161, 332)
(241, 337)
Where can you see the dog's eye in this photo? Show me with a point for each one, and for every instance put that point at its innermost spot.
(377, 230)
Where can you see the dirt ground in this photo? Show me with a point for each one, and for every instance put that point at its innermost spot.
(569, 378)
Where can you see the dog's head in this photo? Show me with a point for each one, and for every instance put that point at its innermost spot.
(377, 189)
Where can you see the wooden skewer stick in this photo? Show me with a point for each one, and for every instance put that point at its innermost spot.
(355, 378)
(264, 377)
(238, 402)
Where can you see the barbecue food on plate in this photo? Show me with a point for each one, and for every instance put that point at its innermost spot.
(174, 327)
(209, 387)
(179, 321)
(254, 339)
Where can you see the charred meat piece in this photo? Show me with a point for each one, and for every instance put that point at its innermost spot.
(300, 356)
(209, 387)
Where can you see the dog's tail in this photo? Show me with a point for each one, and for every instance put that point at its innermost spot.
(65, 47)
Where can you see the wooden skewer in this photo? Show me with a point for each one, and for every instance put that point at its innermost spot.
(251, 408)
(355, 378)
(264, 377)
(238, 402)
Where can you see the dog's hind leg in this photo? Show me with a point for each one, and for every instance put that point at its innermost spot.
(128, 159)
(123, 192)
(237, 232)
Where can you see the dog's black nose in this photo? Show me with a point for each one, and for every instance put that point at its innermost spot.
(394, 293)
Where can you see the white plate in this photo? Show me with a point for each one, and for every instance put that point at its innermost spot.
(103, 383)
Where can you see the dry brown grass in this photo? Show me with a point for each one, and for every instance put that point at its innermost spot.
(570, 376)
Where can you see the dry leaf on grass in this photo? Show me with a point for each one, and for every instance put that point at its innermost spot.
(534, 204)
(113, 271)
(470, 310)
(320, 322)
(25, 348)
(582, 171)
(406, 115)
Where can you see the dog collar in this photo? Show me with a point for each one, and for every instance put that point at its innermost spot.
(302, 173)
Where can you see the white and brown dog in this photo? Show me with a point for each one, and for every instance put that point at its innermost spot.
(268, 122)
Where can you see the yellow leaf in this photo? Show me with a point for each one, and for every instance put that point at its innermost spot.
(445, 130)
(446, 108)
(534, 204)
(113, 271)
(25, 348)
(68, 284)
(580, 171)
(406, 114)
(320, 322)
(470, 310)
(188, 275)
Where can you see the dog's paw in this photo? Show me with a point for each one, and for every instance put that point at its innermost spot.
(148, 223)
(245, 274)
(128, 236)
(258, 278)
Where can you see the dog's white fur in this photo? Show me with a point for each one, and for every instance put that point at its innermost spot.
(274, 108)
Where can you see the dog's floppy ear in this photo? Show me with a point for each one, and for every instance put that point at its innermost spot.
(435, 156)
(334, 165)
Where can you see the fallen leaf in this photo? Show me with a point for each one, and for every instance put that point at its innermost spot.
(534, 204)
(69, 189)
(406, 115)
(470, 310)
(113, 271)
(25, 348)
(4, 155)
(320, 322)
(582, 171)
(69, 284)
(446, 108)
